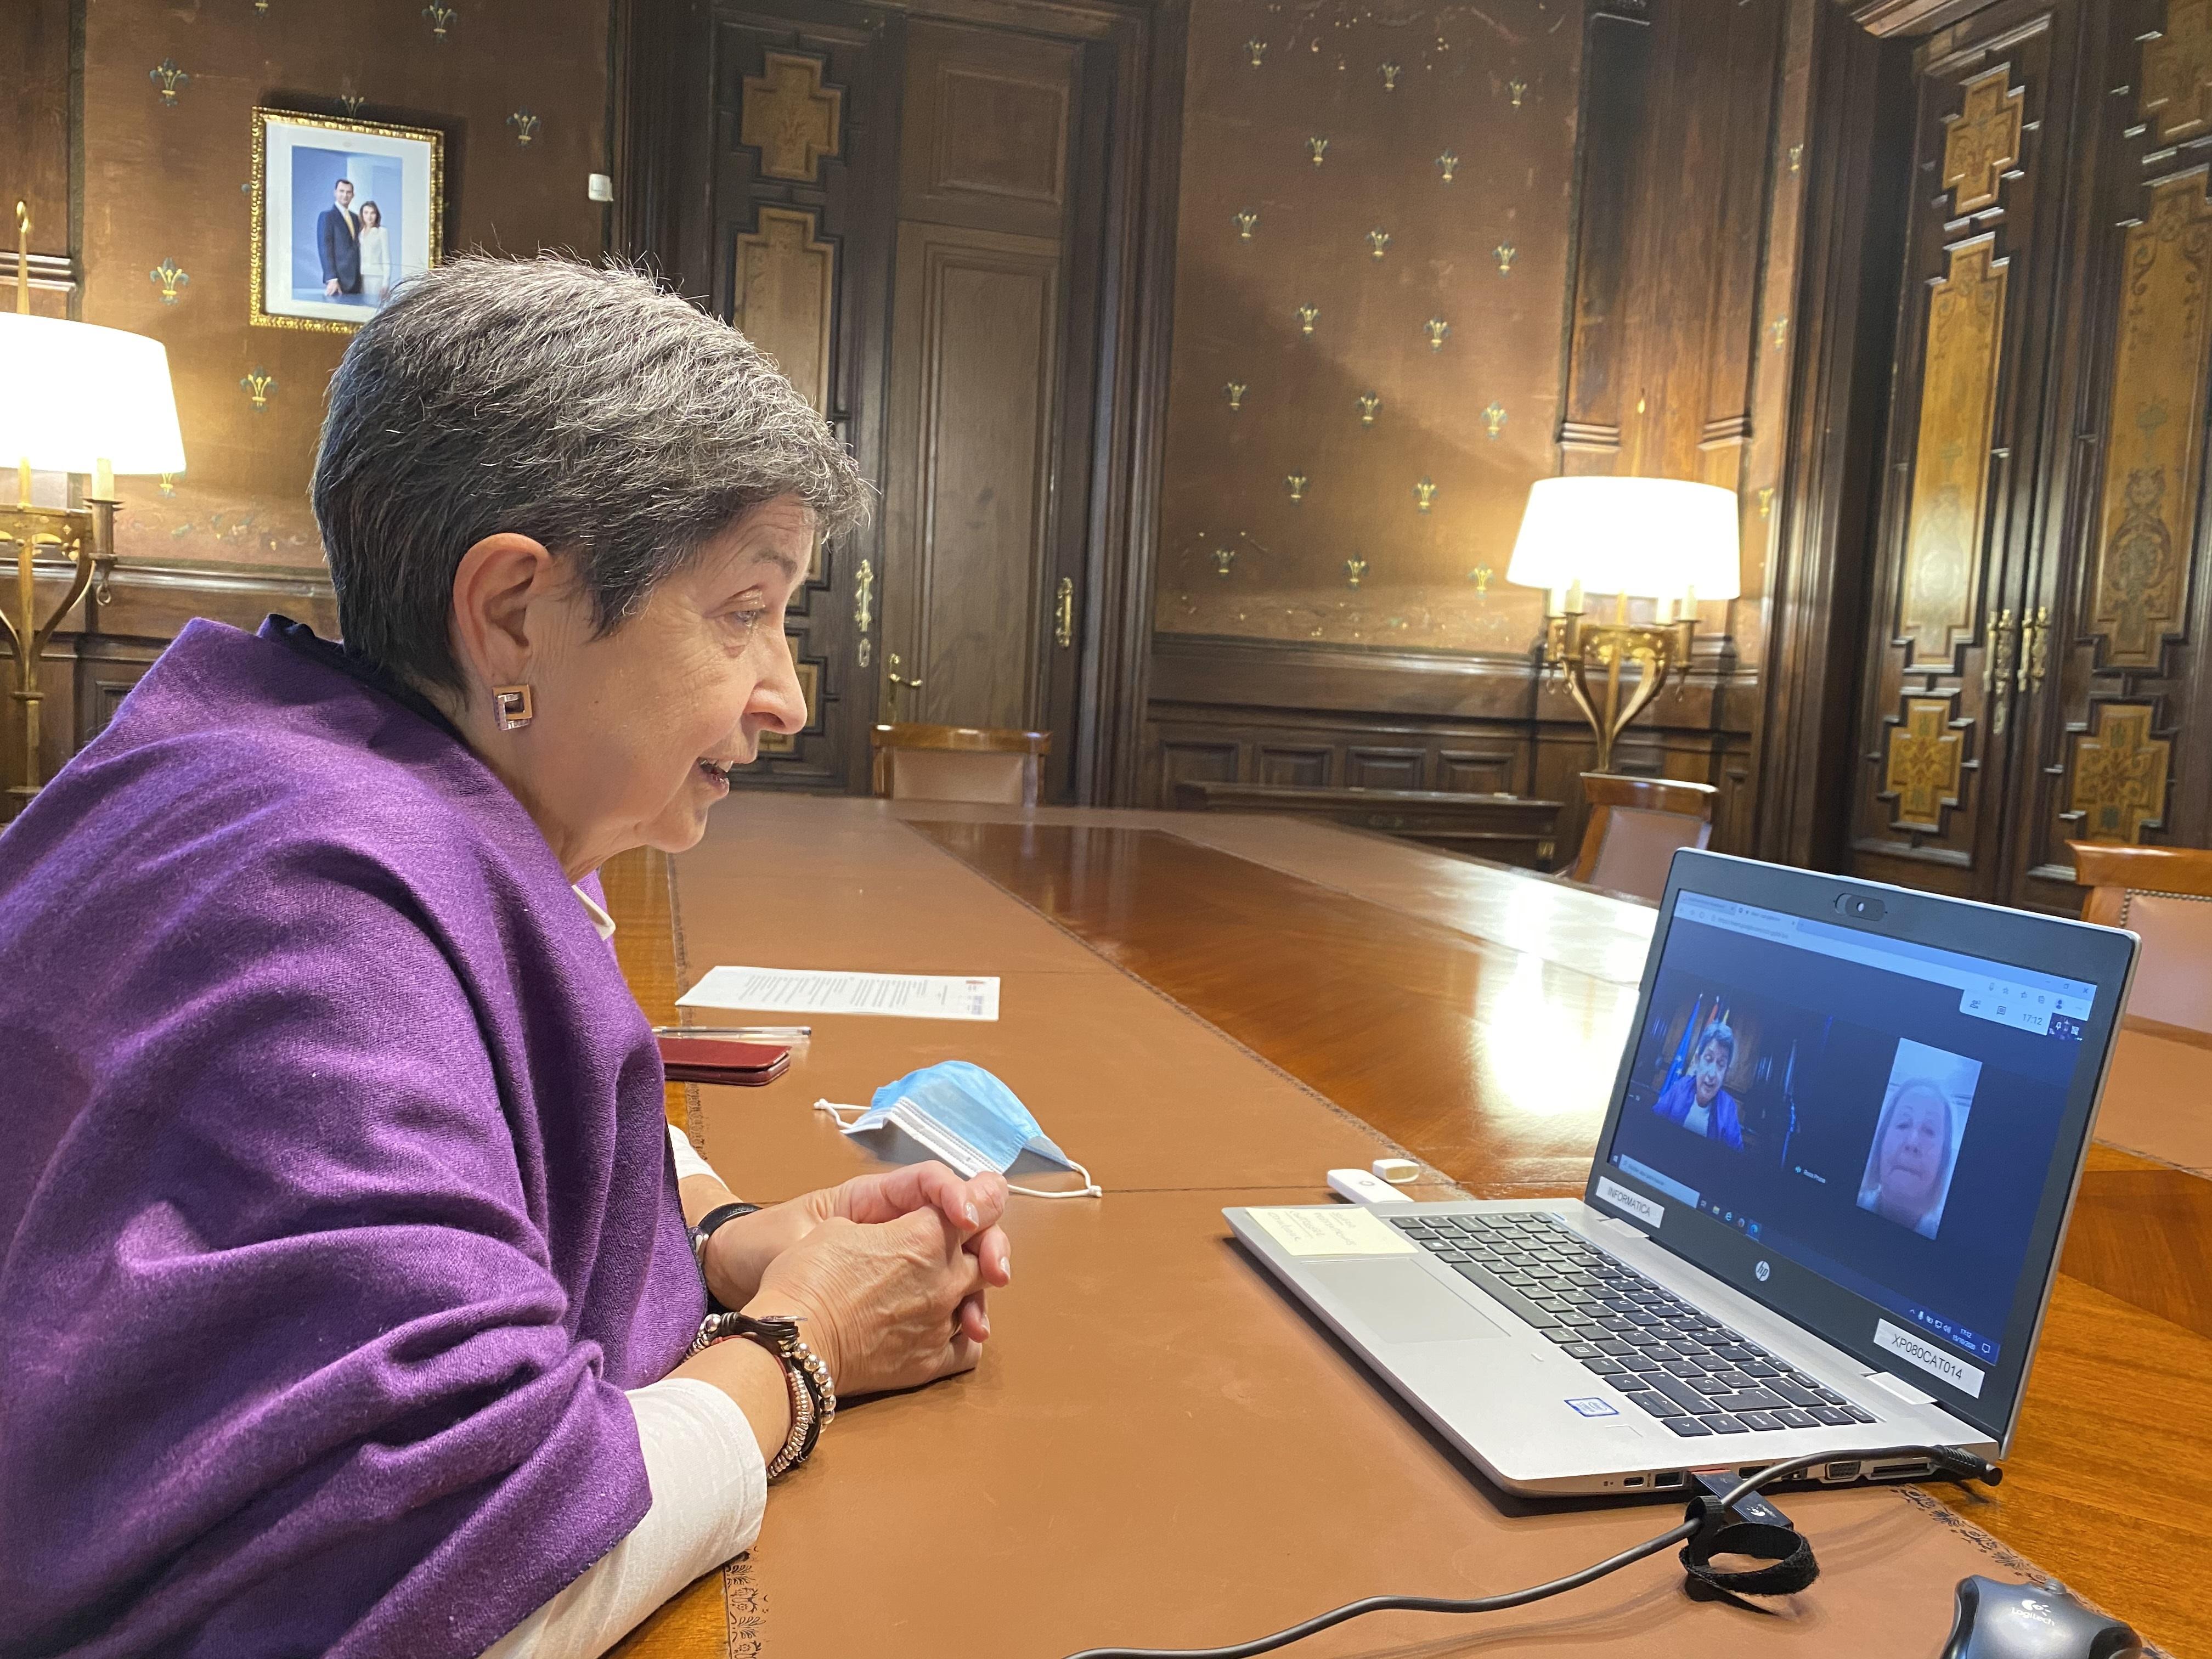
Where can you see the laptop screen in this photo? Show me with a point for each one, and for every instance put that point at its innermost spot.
(1880, 1114)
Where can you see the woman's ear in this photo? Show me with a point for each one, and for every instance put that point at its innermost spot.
(498, 579)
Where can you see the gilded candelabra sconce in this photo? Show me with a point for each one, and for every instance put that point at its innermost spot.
(1296, 482)
(1256, 50)
(1368, 403)
(1447, 165)
(169, 80)
(1307, 317)
(1235, 391)
(1245, 220)
(1390, 73)
(1223, 557)
(1779, 330)
(169, 276)
(1480, 577)
(442, 17)
(1493, 418)
(1516, 90)
(1354, 570)
(1438, 332)
(1424, 495)
(1506, 253)
(257, 384)
(525, 125)
(1317, 149)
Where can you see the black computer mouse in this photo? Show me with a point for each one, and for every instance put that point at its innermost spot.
(1997, 1620)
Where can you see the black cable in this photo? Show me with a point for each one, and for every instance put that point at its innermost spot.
(1962, 1465)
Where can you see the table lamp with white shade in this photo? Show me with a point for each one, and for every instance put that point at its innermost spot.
(73, 397)
(1657, 539)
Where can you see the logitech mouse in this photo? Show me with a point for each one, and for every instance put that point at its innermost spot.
(1997, 1620)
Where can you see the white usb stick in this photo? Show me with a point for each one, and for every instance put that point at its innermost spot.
(1362, 1188)
(1398, 1171)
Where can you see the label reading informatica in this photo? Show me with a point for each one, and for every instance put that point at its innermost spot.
(1960, 1375)
(1633, 1203)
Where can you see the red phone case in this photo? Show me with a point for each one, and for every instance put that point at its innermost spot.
(718, 1060)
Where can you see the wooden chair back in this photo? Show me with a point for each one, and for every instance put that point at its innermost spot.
(2164, 894)
(991, 766)
(1635, 824)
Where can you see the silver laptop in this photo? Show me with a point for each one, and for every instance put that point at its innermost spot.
(1823, 1214)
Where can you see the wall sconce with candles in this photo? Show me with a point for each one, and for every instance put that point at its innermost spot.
(1658, 539)
(78, 398)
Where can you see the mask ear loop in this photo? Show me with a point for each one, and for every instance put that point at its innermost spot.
(1088, 1190)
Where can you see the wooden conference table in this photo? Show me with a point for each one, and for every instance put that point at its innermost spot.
(1159, 1448)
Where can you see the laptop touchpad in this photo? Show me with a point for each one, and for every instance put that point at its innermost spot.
(1399, 1302)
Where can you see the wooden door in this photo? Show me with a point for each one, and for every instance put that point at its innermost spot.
(1949, 699)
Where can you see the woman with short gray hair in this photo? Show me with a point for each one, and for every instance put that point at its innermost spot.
(357, 1298)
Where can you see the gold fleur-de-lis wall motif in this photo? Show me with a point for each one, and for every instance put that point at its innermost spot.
(1317, 149)
(1296, 483)
(261, 8)
(1391, 77)
(1245, 220)
(1797, 157)
(171, 276)
(1438, 332)
(1494, 418)
(1506, 253)
(1447, 165)
(1480, 577)
(1378, 243)
(1307, 316)
(1516, 90)
(1766, 501)
(1368, 403)
(1424, 495)
(351, 102)
(1223, 558)
(525, 125)
(1235, 391)
(442, 17)
(1778, 329)
(257, 384)
(169, 79)
(1354, 570)
(1256, 50)
(169, 483)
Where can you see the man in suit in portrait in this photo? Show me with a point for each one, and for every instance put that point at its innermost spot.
(337, 239)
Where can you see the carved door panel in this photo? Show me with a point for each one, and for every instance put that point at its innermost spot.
(1943, 706)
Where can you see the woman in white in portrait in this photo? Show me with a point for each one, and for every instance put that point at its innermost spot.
(375, 256)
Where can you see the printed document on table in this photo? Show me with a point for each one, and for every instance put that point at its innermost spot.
(826, 990)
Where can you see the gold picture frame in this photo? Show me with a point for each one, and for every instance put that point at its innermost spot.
(299, 161)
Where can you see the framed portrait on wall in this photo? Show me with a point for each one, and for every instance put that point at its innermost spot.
(342, 211)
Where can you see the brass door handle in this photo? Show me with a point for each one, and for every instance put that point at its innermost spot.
(898, 683)
(2038, 629)
(1063, 614)
(1997, 659)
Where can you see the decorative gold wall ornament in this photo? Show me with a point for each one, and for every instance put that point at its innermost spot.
(1256, 50)
(1493, 419)
(787, 295)
(2119, 774)
(1368, 403)
(1480, 576)
(1951, 461)
(169, 483)
(1797, 157)
(2154, 425)
(791, 117)
(1223, 557)
(1317, 149)
(1766, 501)
(1447, 165)
(169, 80)
(1516, 90)
(442, 17)
(1424, 493)
(1438, 332)
(1778, 332)
(261, 8)
(1354, 570)
(1235, 391)
(1245, 219)
(1390, 73)
(1926, 761)
(1296, 483)
(525, 125)
(170, 276)
(1505, 252)
(1984, 140)
(257, 384)
(1307, 316)
(351, 102)
(2177, 72)
(1378, 243)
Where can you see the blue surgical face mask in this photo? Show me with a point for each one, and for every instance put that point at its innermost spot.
(962, 1115)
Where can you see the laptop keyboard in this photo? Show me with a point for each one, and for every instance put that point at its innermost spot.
(1693, 1374)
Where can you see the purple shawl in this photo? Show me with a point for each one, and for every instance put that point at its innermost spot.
(335, 1186)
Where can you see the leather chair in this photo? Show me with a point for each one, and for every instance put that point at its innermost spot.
(1635, 826)
(996, 767)
(2164, 894)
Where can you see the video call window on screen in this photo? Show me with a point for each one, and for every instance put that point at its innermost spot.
(1916, 1143)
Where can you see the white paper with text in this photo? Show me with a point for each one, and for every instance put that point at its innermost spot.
(829, 990)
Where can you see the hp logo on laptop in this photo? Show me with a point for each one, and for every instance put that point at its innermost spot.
(1761, 1272)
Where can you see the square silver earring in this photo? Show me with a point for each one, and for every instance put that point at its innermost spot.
(512, 704)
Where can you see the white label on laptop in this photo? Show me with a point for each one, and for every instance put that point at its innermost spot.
(1337, 1230)
(1933, 1360)
(1636, 1204)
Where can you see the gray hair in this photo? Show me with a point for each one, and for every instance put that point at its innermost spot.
(584, 407)
(1717, 1032)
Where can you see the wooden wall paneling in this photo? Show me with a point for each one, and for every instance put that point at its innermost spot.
(1616, 95)
(37, 87)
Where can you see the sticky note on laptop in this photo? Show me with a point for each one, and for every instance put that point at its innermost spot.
(1337, 1230)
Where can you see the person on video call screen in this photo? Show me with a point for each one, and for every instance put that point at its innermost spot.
(1908, 1173)
(1696, 1100)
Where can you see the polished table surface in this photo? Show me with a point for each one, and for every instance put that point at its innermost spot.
(1159, 1448)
